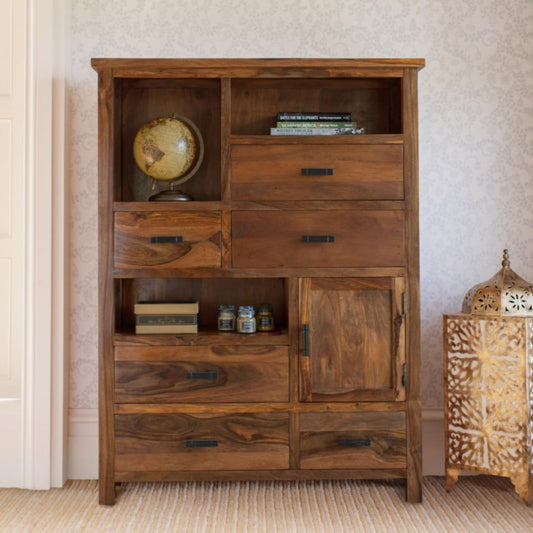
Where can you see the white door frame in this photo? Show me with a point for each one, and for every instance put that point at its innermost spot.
(33, 409)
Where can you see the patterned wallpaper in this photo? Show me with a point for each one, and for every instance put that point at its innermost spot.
(475, 118)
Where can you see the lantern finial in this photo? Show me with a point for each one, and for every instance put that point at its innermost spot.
(506, 263)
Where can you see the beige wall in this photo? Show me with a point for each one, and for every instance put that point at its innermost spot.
(476, 149)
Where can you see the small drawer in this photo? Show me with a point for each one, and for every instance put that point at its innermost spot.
(185, 442)
(353, 440)
(201, 374)
(317, 172)
(161, 240)
(366, 238)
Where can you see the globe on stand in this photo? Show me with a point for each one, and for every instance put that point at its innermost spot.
(169, 149)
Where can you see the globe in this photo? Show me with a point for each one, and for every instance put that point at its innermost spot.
(168, 149)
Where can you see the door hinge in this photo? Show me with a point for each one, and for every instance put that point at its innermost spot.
(404, 375)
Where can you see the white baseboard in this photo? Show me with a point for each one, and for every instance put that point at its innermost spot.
(83, 443)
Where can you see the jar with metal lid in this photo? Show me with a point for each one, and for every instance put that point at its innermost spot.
(265, 318)
(246, 319)
(226, 317)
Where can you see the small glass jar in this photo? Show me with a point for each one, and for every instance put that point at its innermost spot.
(265, 318)
(226, 317)
(246, 319)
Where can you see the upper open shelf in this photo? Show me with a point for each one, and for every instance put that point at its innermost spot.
(375, 104)
(237, 110)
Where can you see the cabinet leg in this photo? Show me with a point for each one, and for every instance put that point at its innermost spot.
(108, 492)
(413, 490)
(452, 474)
(522, 486)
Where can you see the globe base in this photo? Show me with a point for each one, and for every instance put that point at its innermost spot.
(170, 196)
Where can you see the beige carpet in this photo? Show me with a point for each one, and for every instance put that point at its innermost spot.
(477, 503)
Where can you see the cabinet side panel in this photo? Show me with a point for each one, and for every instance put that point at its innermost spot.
(414, 433)
(106, 167)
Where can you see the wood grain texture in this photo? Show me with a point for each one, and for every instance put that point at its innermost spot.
(361, 238)
(414, 379)
(187, 98)
(355, 341)
(199, 232)
(201, 373)
(256, 102)
(210, 292)
(244, 441)
(363, 172)
(245, 475)
(352, 440)
(155, 67)
(265, 407)
(107, 121)
(341, 412)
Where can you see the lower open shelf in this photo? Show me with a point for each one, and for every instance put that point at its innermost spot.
(205, 336)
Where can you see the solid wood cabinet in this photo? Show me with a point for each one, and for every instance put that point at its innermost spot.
(352, 339)
(324, 228)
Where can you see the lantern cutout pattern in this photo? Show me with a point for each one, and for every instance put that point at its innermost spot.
(488, 382)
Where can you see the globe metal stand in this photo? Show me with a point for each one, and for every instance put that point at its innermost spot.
(170, 195)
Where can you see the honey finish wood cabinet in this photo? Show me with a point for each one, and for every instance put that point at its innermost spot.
(323, 227)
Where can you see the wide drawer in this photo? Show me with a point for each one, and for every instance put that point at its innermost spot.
(160, 240)
(170, 441)
(317, 172)
(353, 440)
(318, 239)
(201, 374)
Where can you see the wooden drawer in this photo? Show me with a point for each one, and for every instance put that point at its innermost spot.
(170, 441)
(160, 240)
(288, 239)
(201, 374)
(317, 172)
(353, 440)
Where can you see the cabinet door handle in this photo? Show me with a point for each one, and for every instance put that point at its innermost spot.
(305, 340)
(318, 238)
(208, 374)
(317, 171)
(354, 442)
(209, 443)
(167, 239)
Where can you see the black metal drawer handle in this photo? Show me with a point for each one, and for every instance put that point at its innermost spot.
(208, 374)
(201, 443)
(165, 239)
(317, 171)
(354, 442)
(305, 340)
(318, 238)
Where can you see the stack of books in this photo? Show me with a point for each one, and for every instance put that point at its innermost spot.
(314, 123)
(166, 317)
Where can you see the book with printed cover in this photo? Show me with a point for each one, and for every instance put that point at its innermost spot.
(166, 323)
(316, 124)
(315, 116)
(316, 131)
(166, 308)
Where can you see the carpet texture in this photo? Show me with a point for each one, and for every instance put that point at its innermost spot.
(476, 503)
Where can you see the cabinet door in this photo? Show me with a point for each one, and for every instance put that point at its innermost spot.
(352, 340)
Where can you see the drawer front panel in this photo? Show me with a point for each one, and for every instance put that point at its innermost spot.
(159, 240)
(353, 440)
(318, 239)
(201, 374)
(317, 172)
(183, 442)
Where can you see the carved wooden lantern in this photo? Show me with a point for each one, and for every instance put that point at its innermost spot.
(488, 382)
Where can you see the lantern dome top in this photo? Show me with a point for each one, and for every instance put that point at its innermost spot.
(505, 294)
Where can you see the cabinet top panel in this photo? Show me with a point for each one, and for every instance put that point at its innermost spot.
(261, 68)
